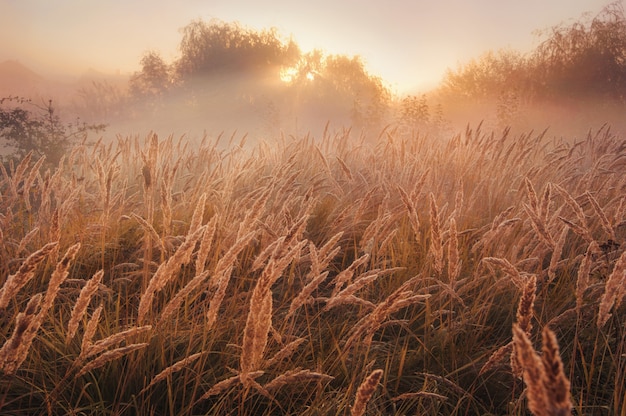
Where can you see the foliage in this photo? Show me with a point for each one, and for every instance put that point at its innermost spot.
(154, 78)
(586, 59)
(40, 131)
(218, 47)
(225, 65)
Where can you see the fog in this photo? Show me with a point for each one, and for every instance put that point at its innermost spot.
(233, 81)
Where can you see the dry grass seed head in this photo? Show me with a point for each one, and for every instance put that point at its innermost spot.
(365, 391)
(14, 350)
(533, 371)
(174, 368)
(614, 290)
(555, 382)
(454, 266)
(108, 357)
(582, 281)
(436, 245)
(604, 220)
(26, 272)
(82, 302)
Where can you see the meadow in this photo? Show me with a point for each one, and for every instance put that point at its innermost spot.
(481, 273)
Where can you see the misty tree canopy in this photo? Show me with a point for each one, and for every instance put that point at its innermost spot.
(224, 66)
(584, 60)
(215, 47)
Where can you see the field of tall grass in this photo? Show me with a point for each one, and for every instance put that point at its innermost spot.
(480, 274)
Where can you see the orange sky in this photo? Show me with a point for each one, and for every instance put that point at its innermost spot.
(409, 43)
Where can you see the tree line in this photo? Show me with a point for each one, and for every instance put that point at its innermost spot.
(222, 66)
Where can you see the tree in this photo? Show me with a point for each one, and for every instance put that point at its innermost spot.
(218, 47)
(41, 132)
(154, 78)
(585, 59)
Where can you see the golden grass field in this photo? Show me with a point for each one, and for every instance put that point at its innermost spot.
(479, 274)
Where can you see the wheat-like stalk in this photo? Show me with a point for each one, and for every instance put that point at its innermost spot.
(90, 331)
(524, 316)
(104, 344)
(30, 332)
(412, 210)
(285, 352)
(539, 226)
(198, 213)
(547, 387)
(174, 304)
(582, 281)
(304, 297)
(364, 392)
(205, 244)
(454, 262)
(604, 220)
(81, 304)
(544, 204)
(109, 356)
(583, 228)
(60, 273)
(27, 239)
(366, 327)
(532, 195)
(360, 282)
(167, 271)
(291, 377)
(555, 382)
(14, 350)
(614, 290)
(496, 358)
(436, 245)
(556, 254)
(259, 318)
(344, 276)
(26, 272)
(509, 269)
(174, 368)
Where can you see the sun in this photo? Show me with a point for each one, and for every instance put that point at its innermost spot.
(289, 75)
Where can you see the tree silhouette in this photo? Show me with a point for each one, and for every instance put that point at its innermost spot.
(585, 59)
(217, 47)
(41, 131)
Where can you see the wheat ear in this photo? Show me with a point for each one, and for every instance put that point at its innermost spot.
(81, 304)
(58, 276)
(173, 305)
(174, 368)
(547, 387)
(26, 272)
(614, 290)
(295, 376)
(582, 281)
(436, 245)
(365, 391)
(166, 272)
(259, 318)
(454, 265)
(13, 348)
(109, 356)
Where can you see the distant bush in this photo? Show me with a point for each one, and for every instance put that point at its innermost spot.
(584, 60)
(29, 127)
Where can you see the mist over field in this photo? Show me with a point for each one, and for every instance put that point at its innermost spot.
(249, 228)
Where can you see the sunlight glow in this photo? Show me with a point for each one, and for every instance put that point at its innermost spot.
(289, 75)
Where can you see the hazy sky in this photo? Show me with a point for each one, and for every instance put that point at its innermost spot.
(409, 43)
